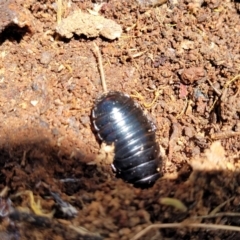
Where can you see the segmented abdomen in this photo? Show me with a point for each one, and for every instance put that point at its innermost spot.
(117, 119)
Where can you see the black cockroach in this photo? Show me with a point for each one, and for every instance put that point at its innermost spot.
(118, 120)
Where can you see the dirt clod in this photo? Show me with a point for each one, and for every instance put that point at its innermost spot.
(193, 74)
(90, 25)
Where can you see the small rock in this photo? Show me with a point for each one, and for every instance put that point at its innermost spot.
(134, 221)
(124, 231)
(85, 120)
(34, 102)
(55, 132)
(46, 58)
(193, 74)
(152, 3)
(196, 151)
(188, 132)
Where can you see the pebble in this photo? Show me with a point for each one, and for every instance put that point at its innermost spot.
(196, 151)
(46, 58)
(113, 236)
(124, 231)
(152, 3)
(55, 131)
(134, 221)
(188, 132)
(193, 74)
(85, 120)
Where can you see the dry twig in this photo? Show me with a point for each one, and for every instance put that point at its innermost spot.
(59, 11)
(182, 225)
(100, 65)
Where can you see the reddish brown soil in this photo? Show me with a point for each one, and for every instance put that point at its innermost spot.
(187, 50)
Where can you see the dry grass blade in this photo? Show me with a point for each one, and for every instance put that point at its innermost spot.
(99, 57)
(182, 225)
(221, 214)
(59, 11)
(232, 80)
(217, 209)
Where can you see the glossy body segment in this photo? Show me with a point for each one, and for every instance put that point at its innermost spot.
(117, 119)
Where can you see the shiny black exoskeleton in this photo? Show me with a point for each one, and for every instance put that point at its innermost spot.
(117, 119)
